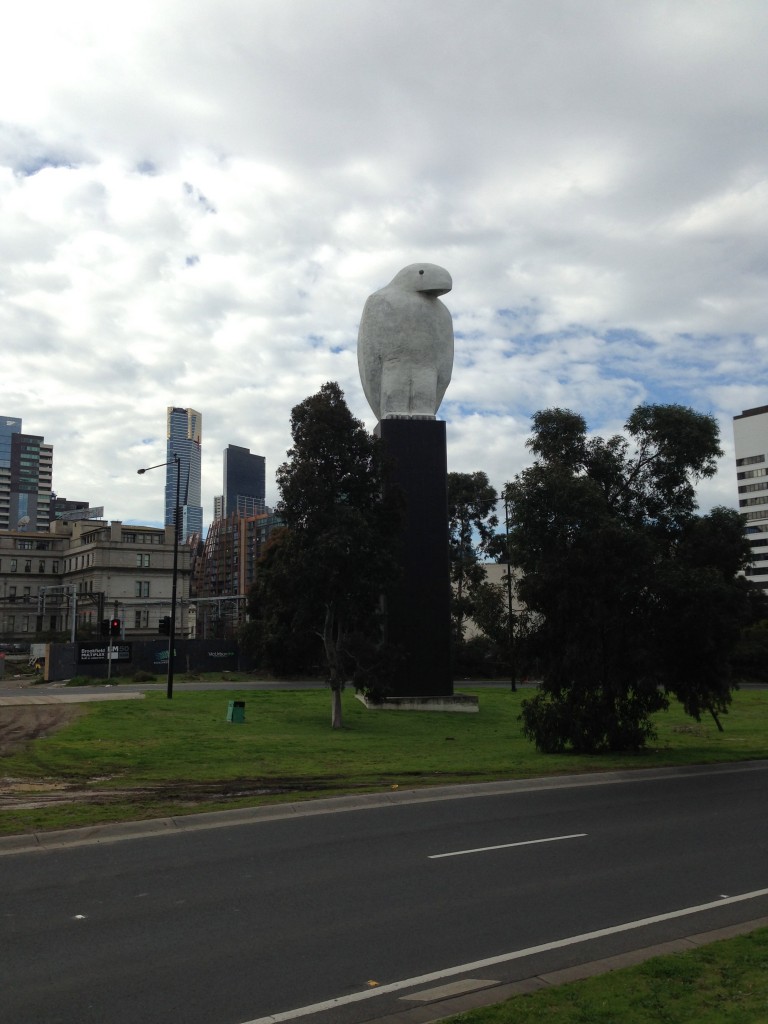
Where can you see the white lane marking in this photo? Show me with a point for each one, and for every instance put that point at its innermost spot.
(518, 954)
(505, 846)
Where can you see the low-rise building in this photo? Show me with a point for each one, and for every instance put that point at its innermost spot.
(89, 570)
(29, 561)
(224, 571)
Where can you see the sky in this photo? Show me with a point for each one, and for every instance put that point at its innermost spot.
(197, 198)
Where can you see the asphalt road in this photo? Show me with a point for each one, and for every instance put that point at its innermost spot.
(273, 920)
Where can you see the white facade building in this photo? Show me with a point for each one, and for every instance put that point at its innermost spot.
(750, 434)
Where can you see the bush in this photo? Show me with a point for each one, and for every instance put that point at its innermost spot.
(478, 658)
(593, 723)
(86, 681)
(140, 676)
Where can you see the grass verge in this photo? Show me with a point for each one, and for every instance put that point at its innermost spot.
(154, 757)
(722, 983)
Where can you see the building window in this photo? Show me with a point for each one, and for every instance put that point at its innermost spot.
(750, 460)
(55, 567)
(142, 588)
(24, 545)
(129, 538)
(11, 594)
(13, 565)
(41, 566)
(142, 560)
(25, 623)
(754, 501)
(140, 619)
(28, 565)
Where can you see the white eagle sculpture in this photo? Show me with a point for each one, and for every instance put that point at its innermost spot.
(405, 344)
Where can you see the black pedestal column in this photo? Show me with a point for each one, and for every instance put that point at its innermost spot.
(419, 613)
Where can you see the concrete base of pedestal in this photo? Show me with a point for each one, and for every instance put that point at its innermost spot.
(455, 702)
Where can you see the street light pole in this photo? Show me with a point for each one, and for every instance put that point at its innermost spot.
(510, 630)
(172, 631)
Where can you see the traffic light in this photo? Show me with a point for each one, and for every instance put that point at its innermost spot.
(105, 627)
(114, 627)
(164, 625)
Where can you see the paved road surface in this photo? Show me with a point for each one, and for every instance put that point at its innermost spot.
(274, 919)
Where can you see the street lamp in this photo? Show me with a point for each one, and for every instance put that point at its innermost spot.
(510, 629)
(172, 631)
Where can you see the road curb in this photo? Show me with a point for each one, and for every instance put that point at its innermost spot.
(182, 824)
(493, 994)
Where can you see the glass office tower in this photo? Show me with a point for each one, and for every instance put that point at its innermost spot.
(9, 425)
(185, 430)
(244, 481)
(26, 473)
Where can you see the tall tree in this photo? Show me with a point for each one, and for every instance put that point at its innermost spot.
(633, 596)
(471, 523)
(335, 559)
(280, 633)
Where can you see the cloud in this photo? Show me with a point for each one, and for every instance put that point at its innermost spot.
(197, 199)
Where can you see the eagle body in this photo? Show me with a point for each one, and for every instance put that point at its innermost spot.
(405, 344)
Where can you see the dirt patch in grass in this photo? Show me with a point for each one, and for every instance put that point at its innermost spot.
(18, 794)
(21, 723)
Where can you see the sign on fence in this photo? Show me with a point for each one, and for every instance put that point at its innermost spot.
(87, 654)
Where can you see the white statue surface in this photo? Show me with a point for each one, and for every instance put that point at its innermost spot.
(405, 344)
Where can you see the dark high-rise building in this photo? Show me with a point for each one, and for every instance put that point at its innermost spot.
(61, 506)
(244, 482)
(26, 471)
(185, 430)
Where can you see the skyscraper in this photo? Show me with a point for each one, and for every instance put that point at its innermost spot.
(750, 435)
(9, 425)
(26, 472)
(244, 481)
(185, 430)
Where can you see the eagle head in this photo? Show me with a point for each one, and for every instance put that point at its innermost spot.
(423, 277)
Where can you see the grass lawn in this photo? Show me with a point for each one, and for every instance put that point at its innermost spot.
(723, 983)
(179, 756)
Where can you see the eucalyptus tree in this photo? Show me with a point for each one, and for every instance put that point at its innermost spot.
(634, 596)
(327, 571)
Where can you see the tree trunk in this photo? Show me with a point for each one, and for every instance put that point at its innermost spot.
(331, 644)
(336, 722)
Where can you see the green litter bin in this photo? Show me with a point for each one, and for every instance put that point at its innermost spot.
(236, 711)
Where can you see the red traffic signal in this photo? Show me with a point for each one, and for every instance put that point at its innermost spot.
(114, 627)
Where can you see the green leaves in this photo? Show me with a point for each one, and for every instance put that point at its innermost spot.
(633, 595)
(319, 587)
